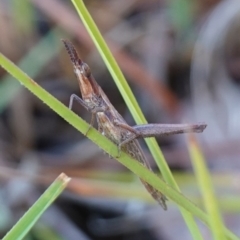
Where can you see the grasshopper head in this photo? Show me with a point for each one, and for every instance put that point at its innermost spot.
(88, 86)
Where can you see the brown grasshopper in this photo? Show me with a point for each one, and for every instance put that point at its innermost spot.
(111, 123)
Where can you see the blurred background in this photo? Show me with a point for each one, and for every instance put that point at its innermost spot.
(182, 61)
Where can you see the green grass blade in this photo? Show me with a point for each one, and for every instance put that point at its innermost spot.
(104, 143)
(27, 221)
(205, 183)
(131, 103)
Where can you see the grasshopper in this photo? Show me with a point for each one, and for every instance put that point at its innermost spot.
(111, 123)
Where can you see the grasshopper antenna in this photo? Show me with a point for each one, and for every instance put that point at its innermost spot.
(72, 52)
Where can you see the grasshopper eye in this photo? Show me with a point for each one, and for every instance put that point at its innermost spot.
(86, 70)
